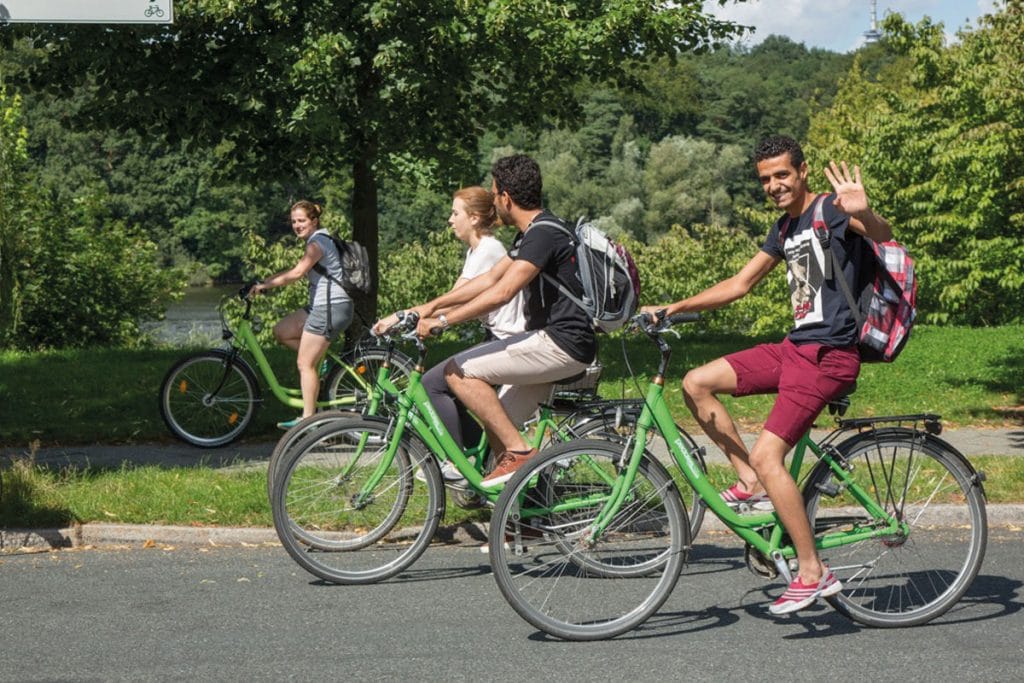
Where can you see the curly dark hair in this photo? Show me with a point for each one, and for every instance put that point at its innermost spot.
(519, 175)
(776, 146)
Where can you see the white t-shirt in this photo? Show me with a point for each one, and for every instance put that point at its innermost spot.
(510, 318)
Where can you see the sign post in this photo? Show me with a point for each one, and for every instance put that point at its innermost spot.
(88, 12)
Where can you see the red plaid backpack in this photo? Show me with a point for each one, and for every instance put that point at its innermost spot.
(886, 307)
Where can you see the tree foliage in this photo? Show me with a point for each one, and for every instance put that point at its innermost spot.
(89, 280)
(939, 136)
(683, 262)
(311, 83)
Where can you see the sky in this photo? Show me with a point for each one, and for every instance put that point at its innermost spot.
(838, 25)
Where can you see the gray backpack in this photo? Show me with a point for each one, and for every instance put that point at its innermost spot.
(356, 275)
(611, 282)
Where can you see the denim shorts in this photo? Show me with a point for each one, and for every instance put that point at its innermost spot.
(340, 318)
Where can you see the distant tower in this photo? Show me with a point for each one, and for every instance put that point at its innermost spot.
(873, 35)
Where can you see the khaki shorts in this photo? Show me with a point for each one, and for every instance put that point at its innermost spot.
(526, 364)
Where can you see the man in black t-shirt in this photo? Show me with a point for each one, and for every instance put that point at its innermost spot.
(816, 362)
(559, 340)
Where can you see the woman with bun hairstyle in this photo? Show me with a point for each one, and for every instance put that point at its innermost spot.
(309, 331)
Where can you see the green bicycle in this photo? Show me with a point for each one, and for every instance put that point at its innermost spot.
(209, 398)
(359, 499)
(898, 515)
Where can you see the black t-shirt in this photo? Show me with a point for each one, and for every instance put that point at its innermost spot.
(820, 312)
(551, 250)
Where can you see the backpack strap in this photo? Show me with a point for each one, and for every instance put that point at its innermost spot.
(330, 278)
(832, 269)
(562, 288)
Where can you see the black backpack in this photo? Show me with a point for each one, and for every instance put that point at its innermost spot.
(356, 276)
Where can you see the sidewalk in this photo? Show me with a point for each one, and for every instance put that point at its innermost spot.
(1002, 442)
(971, 441)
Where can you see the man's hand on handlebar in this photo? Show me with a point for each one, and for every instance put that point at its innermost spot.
(429, 327)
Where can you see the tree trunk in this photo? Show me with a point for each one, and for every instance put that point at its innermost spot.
(365, 225)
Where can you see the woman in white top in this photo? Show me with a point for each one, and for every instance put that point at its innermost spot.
(309, 331)
(472, 219)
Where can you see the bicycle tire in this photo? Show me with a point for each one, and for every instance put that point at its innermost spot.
(335, 529)
(903, 579)
(365, 362)
(606, 423)
(196, 417)
(294, 436)
(557, 592)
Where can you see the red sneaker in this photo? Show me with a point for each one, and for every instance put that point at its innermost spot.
(508, 463)
(799, 595)
(738, 499)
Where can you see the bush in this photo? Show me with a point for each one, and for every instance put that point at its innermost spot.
(91, 281)
(683, 262)
(14, 212)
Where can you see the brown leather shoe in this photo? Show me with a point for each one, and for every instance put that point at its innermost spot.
(508, 463)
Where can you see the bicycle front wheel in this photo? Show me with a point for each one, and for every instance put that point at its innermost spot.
(287, 443)
(209, 398)
(912, 576)
(623, 428)
(348, 512)
(556, 568)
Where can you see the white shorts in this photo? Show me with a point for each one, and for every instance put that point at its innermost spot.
(527, 364)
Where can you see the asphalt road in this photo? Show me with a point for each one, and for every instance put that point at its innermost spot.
(249, 613)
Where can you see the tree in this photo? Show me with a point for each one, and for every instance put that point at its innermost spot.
(294, 85)
(14, 212)
(940, 137)
(689, 181)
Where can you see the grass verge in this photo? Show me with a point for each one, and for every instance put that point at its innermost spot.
(970, 376)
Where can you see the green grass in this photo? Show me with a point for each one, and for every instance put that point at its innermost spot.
(110, 395)
(38, 497)
(970, 376)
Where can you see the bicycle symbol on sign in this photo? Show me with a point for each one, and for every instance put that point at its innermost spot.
(154, 10)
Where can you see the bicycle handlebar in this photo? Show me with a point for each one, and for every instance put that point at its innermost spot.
(654, 325)
(406, 325)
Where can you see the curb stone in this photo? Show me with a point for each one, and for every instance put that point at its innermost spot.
(1008, 516)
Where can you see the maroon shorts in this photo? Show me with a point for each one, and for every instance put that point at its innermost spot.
(805, 376)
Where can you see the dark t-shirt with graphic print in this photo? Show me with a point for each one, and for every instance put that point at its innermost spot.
(551, 250)
(820, 312)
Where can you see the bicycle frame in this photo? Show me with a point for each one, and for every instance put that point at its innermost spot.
(762, 531)
(752, 527)
(243, 338)
(416, 411)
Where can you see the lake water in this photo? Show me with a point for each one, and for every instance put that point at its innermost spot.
(193, 319)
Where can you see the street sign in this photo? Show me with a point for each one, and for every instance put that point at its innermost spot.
(87, 11)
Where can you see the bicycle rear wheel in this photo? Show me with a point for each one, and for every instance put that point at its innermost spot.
(907, 578)
(347, 512)
(361, 369)
(551, 570)
(209, 398)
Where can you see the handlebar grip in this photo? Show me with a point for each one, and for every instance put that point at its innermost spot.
(246, 289)
(436, 331)
(687, 317)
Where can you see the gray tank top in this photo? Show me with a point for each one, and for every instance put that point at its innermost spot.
(318, 284)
